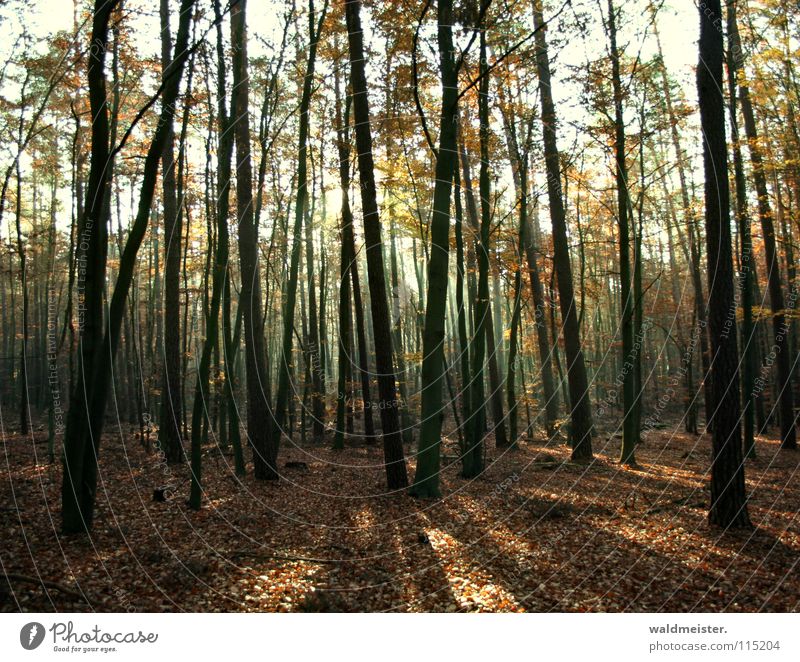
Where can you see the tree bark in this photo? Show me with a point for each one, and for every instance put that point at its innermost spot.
(728, 499)
(396, 475)
(630, 433)
(264, 446)
(170, 420)
(745, 239)
(780, 328)
(581, 415)
(426, 479)
(87, 408)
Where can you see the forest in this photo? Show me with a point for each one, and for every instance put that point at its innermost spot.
(428, 306)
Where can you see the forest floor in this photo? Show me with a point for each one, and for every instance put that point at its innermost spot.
(534, 533)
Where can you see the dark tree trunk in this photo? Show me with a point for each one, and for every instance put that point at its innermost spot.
(728, 499)
(745, 240)
(301, 208)
(520, 159)
(396, 476)
(170, 420)
(87, 408)
(581, 415)
(345, 317)
(79, 476)
(407, 430)
(265, 447)
(313, 347)
(426, 479)
(221, 255)
(24, 414)
(630, 433)
(780, 328)
(476, 427)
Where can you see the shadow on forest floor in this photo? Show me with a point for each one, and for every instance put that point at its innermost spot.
(535, 532)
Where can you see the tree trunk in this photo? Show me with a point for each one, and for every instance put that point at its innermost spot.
(396, 476)
(476, 429)
(520, 160)
(79, 476)
(745, 240)
(87, 408)
(728, 499)
(426, 479)
(780, 328)
(201, 394)
(170, 420)
(692, 240)
(581, 415)
(629, 432)
(265, 447)
(24, 414)
(301, 205)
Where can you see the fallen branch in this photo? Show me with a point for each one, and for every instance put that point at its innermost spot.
(44, 583)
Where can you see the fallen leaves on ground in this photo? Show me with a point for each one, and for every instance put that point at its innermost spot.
(535, 532)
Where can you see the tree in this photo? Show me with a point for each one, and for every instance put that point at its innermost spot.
(97, 350)
(745, 239)
(580, 415)
(519, 148)
(782, 348)
(476, 427)
(693, 240)
(728, 499)
(258, 409)
(169, 431)
(630, 431)
(79, 480)
(396, 475)
(300, 210)
(343, 391)
(426, 478)
(219, 276)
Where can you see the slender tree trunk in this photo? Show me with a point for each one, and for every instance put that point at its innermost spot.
(692, 240)
(513, 341)
(345, 321)
(407, 430)
(581, 415)
(426, 479)
(87, 408)
(313, 348)
(473, 460)
(396, 475)
(520, 158)
(728, 499)
(24, 413)
(221, 255)
(78, 482)
(629, 432)
(495, 399)
(781, 347)
(463, 339)
(745, 239)
(265, 447)
(301, 208)
(170, 420)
